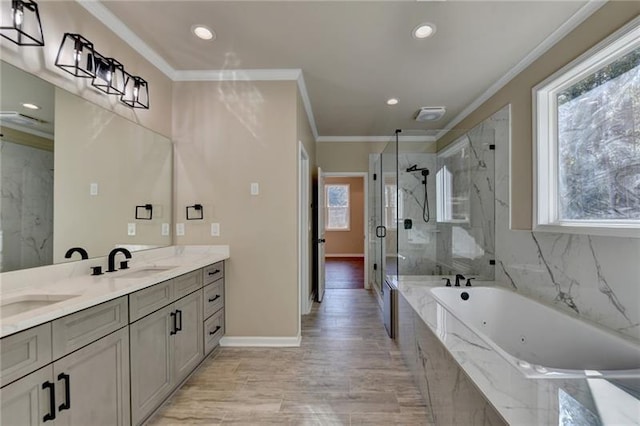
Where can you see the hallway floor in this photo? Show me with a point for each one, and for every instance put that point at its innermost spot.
(344, 272)
(346, 372)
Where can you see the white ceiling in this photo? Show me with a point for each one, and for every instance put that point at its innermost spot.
(355, 54)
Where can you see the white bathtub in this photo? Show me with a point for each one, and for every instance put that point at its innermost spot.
(539, 340)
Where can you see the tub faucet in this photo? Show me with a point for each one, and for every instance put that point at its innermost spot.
(458, 278)
(112, 257)
(83, 253)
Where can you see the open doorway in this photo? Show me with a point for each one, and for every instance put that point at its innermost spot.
(345, 215)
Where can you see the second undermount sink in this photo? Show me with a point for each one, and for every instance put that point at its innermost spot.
(27, 302)
(145, 271)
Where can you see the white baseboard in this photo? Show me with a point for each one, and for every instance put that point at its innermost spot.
(344, 255)
(309, 304)
(275, 342)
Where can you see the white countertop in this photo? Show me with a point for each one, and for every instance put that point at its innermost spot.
(522, 401)
(74, 279)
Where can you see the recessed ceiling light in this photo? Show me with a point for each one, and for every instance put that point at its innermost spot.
(203, 32)
(392, 101)
(30, 106)
(424, 30)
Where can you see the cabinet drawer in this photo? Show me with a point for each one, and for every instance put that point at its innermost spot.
(24, 352)
(213, 331)
(187, 283)
(213, 272)
(213, 298)
(77, 330)
(143, 302)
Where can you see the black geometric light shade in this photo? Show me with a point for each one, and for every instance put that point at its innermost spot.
(77, 56)
(136, 92)
(20, 22)
(110, 75)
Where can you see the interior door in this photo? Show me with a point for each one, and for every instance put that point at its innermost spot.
(321, 234)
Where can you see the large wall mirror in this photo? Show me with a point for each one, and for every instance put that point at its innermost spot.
(72, 175)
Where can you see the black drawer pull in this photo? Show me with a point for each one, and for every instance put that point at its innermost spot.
(67, 392)
(211, 333)
(179, 315)
(173, 323)
(217, 271)
(214, 298)
(51, 415)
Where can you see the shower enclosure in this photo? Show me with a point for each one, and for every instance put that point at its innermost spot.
(432, 211)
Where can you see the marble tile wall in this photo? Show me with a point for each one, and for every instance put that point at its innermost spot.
(595, 277)
(26, 206)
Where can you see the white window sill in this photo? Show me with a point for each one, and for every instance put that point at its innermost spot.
(608, 230)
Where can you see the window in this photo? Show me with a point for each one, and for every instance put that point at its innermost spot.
(453, 183)
(337, 211)
(588, 141)
(393, 204)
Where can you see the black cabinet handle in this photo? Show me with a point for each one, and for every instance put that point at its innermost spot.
(51, 415)
(211, 333)
(173, 323)
(217, 271)
(179, 315)
(214, 298)
(67, 392)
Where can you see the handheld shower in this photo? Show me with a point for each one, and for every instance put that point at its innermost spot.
(426, 216)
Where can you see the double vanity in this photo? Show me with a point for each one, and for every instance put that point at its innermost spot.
(109, 349)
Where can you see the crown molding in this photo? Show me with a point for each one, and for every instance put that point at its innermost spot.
(569, 25)
(105, 16)
(238, 75)
(389, 138)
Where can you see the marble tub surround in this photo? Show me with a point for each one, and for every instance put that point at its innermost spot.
(596, 277)
(74, 279)
(517, 399)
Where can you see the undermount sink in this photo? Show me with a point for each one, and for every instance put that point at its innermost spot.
(18, 304)
(145, 271)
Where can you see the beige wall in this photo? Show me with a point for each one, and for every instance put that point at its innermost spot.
(59, 17)
(131, 165)
(351, 241)
(227, 135)
(346, 156)
(517, 92)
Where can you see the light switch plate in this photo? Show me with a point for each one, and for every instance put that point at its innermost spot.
(93, 189)
(165, 229)
(255, 188)
(215, 229)
(131, 229)
(180, 229)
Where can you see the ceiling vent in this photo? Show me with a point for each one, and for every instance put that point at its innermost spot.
(430, 113)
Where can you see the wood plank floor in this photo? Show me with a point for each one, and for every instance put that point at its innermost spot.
(344, 272)
(346, 372)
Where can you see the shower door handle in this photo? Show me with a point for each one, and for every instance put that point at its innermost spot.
(381, 231)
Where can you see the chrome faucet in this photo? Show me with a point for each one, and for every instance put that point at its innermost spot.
(83, 253)
(458, 278)
(112, 258)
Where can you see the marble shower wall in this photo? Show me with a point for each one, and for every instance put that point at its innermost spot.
(417, 246)
(595, 277)
(26, 207)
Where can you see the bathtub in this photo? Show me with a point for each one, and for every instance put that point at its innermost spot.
(537, 339)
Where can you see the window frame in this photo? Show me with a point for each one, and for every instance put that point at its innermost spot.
(545, 140)
(326, 207)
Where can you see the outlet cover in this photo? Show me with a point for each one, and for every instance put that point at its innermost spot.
(215, 229)
(165, 229)
(180, 229)
(93, 189)
(255, 188)
(131, 229)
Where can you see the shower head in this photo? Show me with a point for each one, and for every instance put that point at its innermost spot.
(415, 168)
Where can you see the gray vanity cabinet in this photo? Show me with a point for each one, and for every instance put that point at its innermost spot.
(89, 386)
(166, 346)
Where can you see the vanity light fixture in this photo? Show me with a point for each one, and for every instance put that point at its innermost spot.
(76, 56)
(21, 23)
(136, 92)
(198, 208)
(110, 76)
